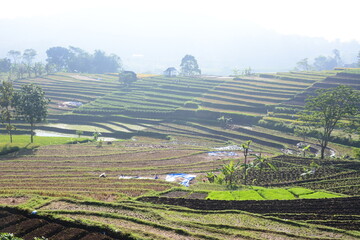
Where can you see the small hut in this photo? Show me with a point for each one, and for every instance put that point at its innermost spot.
(170, 72)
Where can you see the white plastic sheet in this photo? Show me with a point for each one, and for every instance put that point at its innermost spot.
(182, 178)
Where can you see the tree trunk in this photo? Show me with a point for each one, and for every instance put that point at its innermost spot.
(322, 152)
(245, 168)
(32, 132)
(9, 130)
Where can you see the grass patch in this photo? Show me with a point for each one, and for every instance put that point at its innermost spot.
(298, 191)
(319, 195)
(247, 195)
(23, 141)
(220, 195)
(261, 193)
(276, 194)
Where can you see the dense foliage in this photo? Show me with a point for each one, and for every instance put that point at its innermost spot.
(189, 66)
(77, 60)
(31, 105)
(327, 108)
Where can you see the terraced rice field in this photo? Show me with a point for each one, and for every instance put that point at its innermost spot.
(27, 226)
(254, 95)
(73, 170)
(341, 78)
(62, 182)
(161, 107)
(163, 222)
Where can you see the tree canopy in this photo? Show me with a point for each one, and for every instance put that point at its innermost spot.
(5, 65)
(78, 60)
(324, 111)
(58, 56)
(31, 105)
(6, 104)
(127, 77)
(189, 66)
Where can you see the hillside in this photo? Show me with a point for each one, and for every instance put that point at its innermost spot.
(161, 107)
(169, 125)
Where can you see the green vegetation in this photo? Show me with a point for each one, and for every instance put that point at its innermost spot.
(327, 109)
(31, 105)
(269, 194)
(10, 236)
(22, 141)
(298, 191)
(319, 195)
(276, 194)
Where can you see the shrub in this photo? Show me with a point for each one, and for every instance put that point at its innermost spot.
(8, 236)
(356, 152)
(191, 104)
(5, 149)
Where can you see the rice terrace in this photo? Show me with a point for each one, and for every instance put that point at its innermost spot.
(102, 169)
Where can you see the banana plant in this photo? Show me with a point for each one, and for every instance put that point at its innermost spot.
(246, 147)
(305, 149)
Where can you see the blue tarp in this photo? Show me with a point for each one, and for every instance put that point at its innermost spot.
(182, 178)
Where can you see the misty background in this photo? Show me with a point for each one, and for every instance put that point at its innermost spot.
(150, 36)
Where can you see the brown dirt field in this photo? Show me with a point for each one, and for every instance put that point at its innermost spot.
(175, 194)
(13, 200)
(76, 168)
(132, 160)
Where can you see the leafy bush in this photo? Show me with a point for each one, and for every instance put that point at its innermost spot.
(356, 152)
(8, 236)
(5, 149)
(191, 104)
(276, 125)
(285, 110)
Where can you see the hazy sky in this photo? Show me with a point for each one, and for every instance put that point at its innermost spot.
(132, 29)
(331, 19)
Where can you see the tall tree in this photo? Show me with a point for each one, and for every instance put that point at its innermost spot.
(39, 69)
(31, 105)
(58, 56)
(303, 65)
(28, 57)
(6, 104)
(324, 111)
(80, 61)
(337, 58)
(189, 66)
(106, 64)
(5, 65)
(16, 55)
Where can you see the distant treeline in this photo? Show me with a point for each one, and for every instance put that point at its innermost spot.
(321, 63)
(72, 59)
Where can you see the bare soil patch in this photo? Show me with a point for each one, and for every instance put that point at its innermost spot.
(13, 200)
